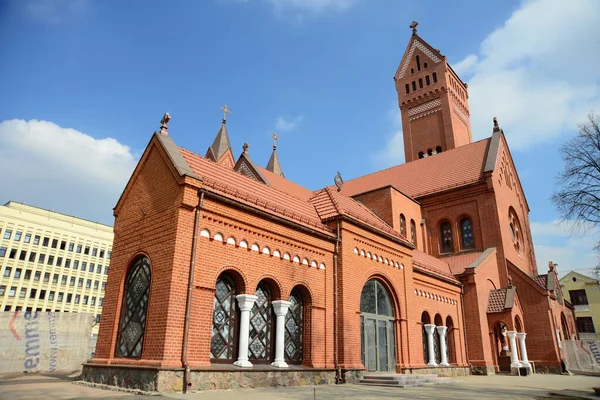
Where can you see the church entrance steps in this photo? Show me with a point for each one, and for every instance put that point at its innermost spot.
(404, 380)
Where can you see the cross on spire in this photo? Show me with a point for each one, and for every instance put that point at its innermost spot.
(164, 123)
(413, 26)
(225, 112)
(275, 137)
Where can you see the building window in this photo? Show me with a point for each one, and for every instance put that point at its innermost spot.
(80, 282)
(91, 267)
(50, 260)
(434, 75)
(96, 284)
(294, 324)
(7, 271)
(68, 263)
(106, 270)
(585, 325)
(32, 256)
(42, 294)
(402, 225)
(41, 258)
(132, 325)
(85, 299)
(72, 281)
(18, 273)
(71, 246)
(63, 245)
(420, 83)
(418, 64)
(413, 232)
(59, 261)
(2, 252)
(87, 250)
(466, 234)
(32, 293)
(88, 283)
(7, 233)
(103, 286)
(60, 296)
(23, 293)
(578, 297)
(83, 265)
(46, 276)
(2, 290)
(79, 247)
(18, 236)
(516, 234)
(93, 300)
(222, 342)
(414, 86)
(77, 298)
(94, 251)
(23, 255)
(37, 276)
(12, 254)
(36, 239)
(55, 278)
(101, 254)
(261, 325)
(69, 297)
(98, 269)
(50, 296)
(108, 254)
(63, 280)
(12, 292)
(446, 243)
(407, 88)
(27, 274)
(45, 242)
(27, 238)
(75, 264)
(54, 243)
(427, 80)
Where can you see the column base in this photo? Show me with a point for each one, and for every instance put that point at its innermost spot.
(444, 364)
(243, 364)
(515, 365)
(432, 364)
(280, 364)
(525, 364)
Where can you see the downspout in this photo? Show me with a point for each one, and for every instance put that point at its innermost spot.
(462, 311)
(188, 304)
(338, 371)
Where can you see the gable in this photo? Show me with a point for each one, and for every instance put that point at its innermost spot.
(414, 44)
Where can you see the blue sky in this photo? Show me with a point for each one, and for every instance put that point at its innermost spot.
(85, 84)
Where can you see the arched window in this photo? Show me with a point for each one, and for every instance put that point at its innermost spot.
(466, 234)
(294, 324)
(407, 88)
(132, 325)
(420, 83)
(421, 155)
(413, 232)
(414, 86)
(427, 80)
(450, 345)
(403, 223)
(434, 77)
(446, 242)
(222, 342)
(438, 149)
(436, 339)
(418, 64)
(429, 152)
(515, 230)
(412, 70)
(425, 320)
(261, 325)
(425, 65)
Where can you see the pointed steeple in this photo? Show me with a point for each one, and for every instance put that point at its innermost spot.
(220, 151)
(274, 166)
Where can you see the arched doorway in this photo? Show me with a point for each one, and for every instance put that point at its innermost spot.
(565, 327)
(378, 340)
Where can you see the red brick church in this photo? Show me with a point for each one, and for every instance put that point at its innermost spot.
(226, 274)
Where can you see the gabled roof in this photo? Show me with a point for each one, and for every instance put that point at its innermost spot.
(330, 203)
(221, 143)
(416, 42)
(285, 185)
(541, 280)
(273, 165)
(433, 265)
(231, 184)
(579, 276)
(461, 166)
(501, 299)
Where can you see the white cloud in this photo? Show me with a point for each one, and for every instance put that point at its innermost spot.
(563, 243)
(538, 72)
(55, 12)
(287, 125)
(393, 151)
(313, 6)
(63, 169)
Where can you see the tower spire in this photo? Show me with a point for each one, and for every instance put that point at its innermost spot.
(274, 166)
(220, 151)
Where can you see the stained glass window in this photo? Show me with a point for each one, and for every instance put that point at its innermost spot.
(375, 299)
(222, 340)
(132, 325)
(261, 325)
(446, 237)
(293, 328)
(466, 232)
(402, 225)
(515, 230)
(413, 232)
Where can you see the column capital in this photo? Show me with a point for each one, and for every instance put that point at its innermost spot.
(246, 301)
(441, 330)
(511, 334)
(429, 328)
(521, 335)
(281, 306)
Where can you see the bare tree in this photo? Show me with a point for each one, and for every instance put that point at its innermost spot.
(578, 194)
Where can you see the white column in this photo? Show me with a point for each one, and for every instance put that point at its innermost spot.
(429, 329)
(442, 334)
(245, 303)
(514, 358)
(524, 359)
(281, 308)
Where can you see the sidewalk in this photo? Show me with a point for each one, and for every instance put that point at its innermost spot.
(25, 387)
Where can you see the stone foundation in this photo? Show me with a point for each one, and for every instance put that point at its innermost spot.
(220, 378)
(439, 371)
(352, 375)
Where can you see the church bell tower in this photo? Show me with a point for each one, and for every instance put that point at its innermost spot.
(433, 101)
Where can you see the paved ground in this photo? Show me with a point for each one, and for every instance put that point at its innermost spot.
(472, 387)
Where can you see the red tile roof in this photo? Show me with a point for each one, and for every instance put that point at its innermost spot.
(432, 264)
(285, 185)
(224, 181)
(330, 203)
(460, 262)
(442, 171)
(496, 301)
(541, 280)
